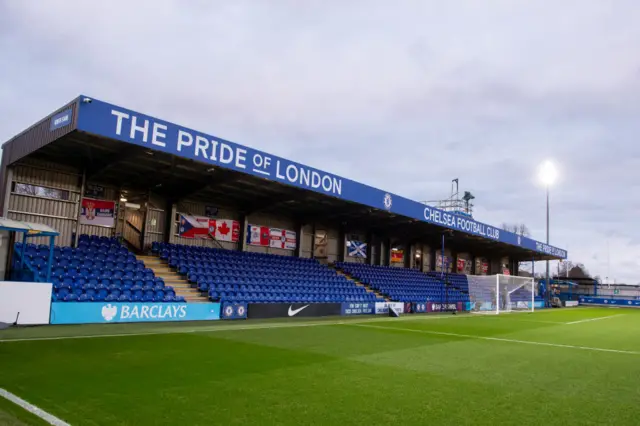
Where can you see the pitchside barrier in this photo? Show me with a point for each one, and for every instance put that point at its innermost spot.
(358, 308)
(233, 311)
(86, 313)
(383, 307)
(609, 302)
(287, 310)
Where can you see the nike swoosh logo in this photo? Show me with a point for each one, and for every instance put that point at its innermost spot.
(293, 312)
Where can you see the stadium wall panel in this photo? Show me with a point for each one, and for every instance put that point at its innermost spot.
(60, 214)
(333, 240)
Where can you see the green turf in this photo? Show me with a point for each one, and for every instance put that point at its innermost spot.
(12, 415)
(416, 370)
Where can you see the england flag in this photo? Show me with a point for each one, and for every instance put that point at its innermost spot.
(283, 239)
(356, 248)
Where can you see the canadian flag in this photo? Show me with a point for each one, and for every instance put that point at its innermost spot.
(283, 239)
(224, 230)
(258, 235)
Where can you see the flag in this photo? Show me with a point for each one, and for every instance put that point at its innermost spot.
(356, 248)
(226, 230)
(193, 226)
(97, 212)
(461, 263)
(485, 267)
(258, 235)
(282, 239)
(397, 256)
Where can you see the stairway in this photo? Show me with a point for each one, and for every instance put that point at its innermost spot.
(172, 279)
(360, 284)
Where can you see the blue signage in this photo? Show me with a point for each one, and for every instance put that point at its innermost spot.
(60, 120)
(358, 308)
(234, 311)
(128, 126)
(606, 301)
(96, 312)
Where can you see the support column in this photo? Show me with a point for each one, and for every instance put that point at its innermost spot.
(242, 236)
(299, 229)
(76, 235)
(7, 195)
(342, 240)
(369, 241)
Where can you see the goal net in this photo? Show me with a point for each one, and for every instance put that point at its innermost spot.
(494, 294)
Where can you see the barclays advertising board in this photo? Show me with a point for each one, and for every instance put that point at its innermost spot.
(95, 312)
(128, 126)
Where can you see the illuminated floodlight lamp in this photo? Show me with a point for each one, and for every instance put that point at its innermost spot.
(548, 173)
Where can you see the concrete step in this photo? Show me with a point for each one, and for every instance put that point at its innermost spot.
(181, 286)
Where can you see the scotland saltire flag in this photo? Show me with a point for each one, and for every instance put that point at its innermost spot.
(356, 248)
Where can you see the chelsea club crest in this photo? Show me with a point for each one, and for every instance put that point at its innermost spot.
(387, 201)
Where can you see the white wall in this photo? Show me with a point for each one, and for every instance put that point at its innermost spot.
(32, 300)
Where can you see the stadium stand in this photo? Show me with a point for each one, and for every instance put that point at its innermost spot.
(234, 276)
(99, 269)
(408, 285)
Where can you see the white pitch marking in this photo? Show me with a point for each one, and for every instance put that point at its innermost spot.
(51, 419)
(246, 327)
(499, 339)
(594, 319)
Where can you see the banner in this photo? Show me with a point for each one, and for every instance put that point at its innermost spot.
(231, 311)
(397, 256)
(485, 268)
(98, 212)
(195, 227)
(419, 308)
(94, 312)
(440, 259)
(358, 308)
(356, 249)
(383, 307)
(461, 263)
(444, 307)
(224, 230)
(258, 235)
(609, 302)
(203, 227)
(287, 310)
(282, 239)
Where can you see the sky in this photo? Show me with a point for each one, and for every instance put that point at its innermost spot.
(402, 95)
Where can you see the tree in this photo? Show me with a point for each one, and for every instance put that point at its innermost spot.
(518, 229)
(573, 270)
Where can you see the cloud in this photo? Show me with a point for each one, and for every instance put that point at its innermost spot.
(404, 96)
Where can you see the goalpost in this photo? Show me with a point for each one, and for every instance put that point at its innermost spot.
(495, 294)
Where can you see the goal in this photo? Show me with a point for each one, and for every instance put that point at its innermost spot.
(495, 294)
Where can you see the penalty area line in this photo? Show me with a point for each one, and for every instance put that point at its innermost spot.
(594, 319)
(49, 418)
(499, 339)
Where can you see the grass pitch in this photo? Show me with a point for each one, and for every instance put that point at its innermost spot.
(579, 366)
